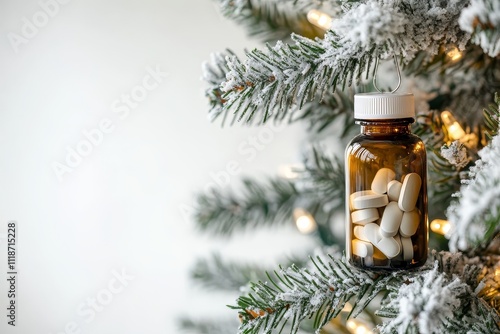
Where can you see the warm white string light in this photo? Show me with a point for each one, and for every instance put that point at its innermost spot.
(440, 226)
(456, 132)
(290, 171)
(319, 19)
(304, 220)
(453, 53)
(357, 327)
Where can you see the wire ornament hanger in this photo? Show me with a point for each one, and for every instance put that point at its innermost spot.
(397, 70)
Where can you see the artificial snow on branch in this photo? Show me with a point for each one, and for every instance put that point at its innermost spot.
(441, 297)
(320, 115)
(425, 305)
(257, 203)
(214, 73)
(482, 19)
(268, 20)
(273, 80)
(294, 295)
(320, 184)
(442, 44)
(456, 154)
(475, 216)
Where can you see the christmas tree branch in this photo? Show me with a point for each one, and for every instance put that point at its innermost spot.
(440, 297)
(270, 81)
(226, 275)
(256, 204)
(319, 114)
(332, 107)
(298, 294)
(323, 178)
(445, 180)
(214, 73)
(320, 185)
(482, 19)
(435, 303)
(475, 216)
(452, 72)
(492, 118)
(269, 20)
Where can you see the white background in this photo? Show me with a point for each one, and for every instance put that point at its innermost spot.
(120, 208)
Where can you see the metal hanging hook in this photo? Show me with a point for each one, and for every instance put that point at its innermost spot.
(397, 70)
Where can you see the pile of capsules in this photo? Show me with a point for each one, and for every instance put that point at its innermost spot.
(386, 217)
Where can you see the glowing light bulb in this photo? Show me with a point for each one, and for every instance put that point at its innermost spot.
(304, 220)
(453, 53)
(351, 324)
(440, 226)
(290, 171)
(357, 327)
(319, 19)
(455, 131)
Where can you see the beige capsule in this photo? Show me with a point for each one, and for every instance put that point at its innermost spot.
(369, 201)
(361, 248)
(394, 190)
(409, 192)
(391, 220)
(359, 232)
(371, 232)
(389, 246)
(357, 194)
(364, 216)
(409, 223)
(407, 248)
(381, 179)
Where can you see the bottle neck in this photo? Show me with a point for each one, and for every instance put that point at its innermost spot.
(384, 127)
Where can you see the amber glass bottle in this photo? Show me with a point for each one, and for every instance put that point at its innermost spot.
(386, 186)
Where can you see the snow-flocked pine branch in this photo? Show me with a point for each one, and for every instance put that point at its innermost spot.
(475, 217)
(333, 107)
(441, 297)
(269, 20)
(270, 81)
(492, 118)
(294, 295)
(221, 274)
(256, 203)
(482, 19)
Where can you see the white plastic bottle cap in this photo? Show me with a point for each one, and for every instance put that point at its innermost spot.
(384, 106)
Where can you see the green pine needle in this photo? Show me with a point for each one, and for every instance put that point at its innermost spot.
(257, 203)
(225, 275)
(269, 20)
(491, 118)
(322, 291)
